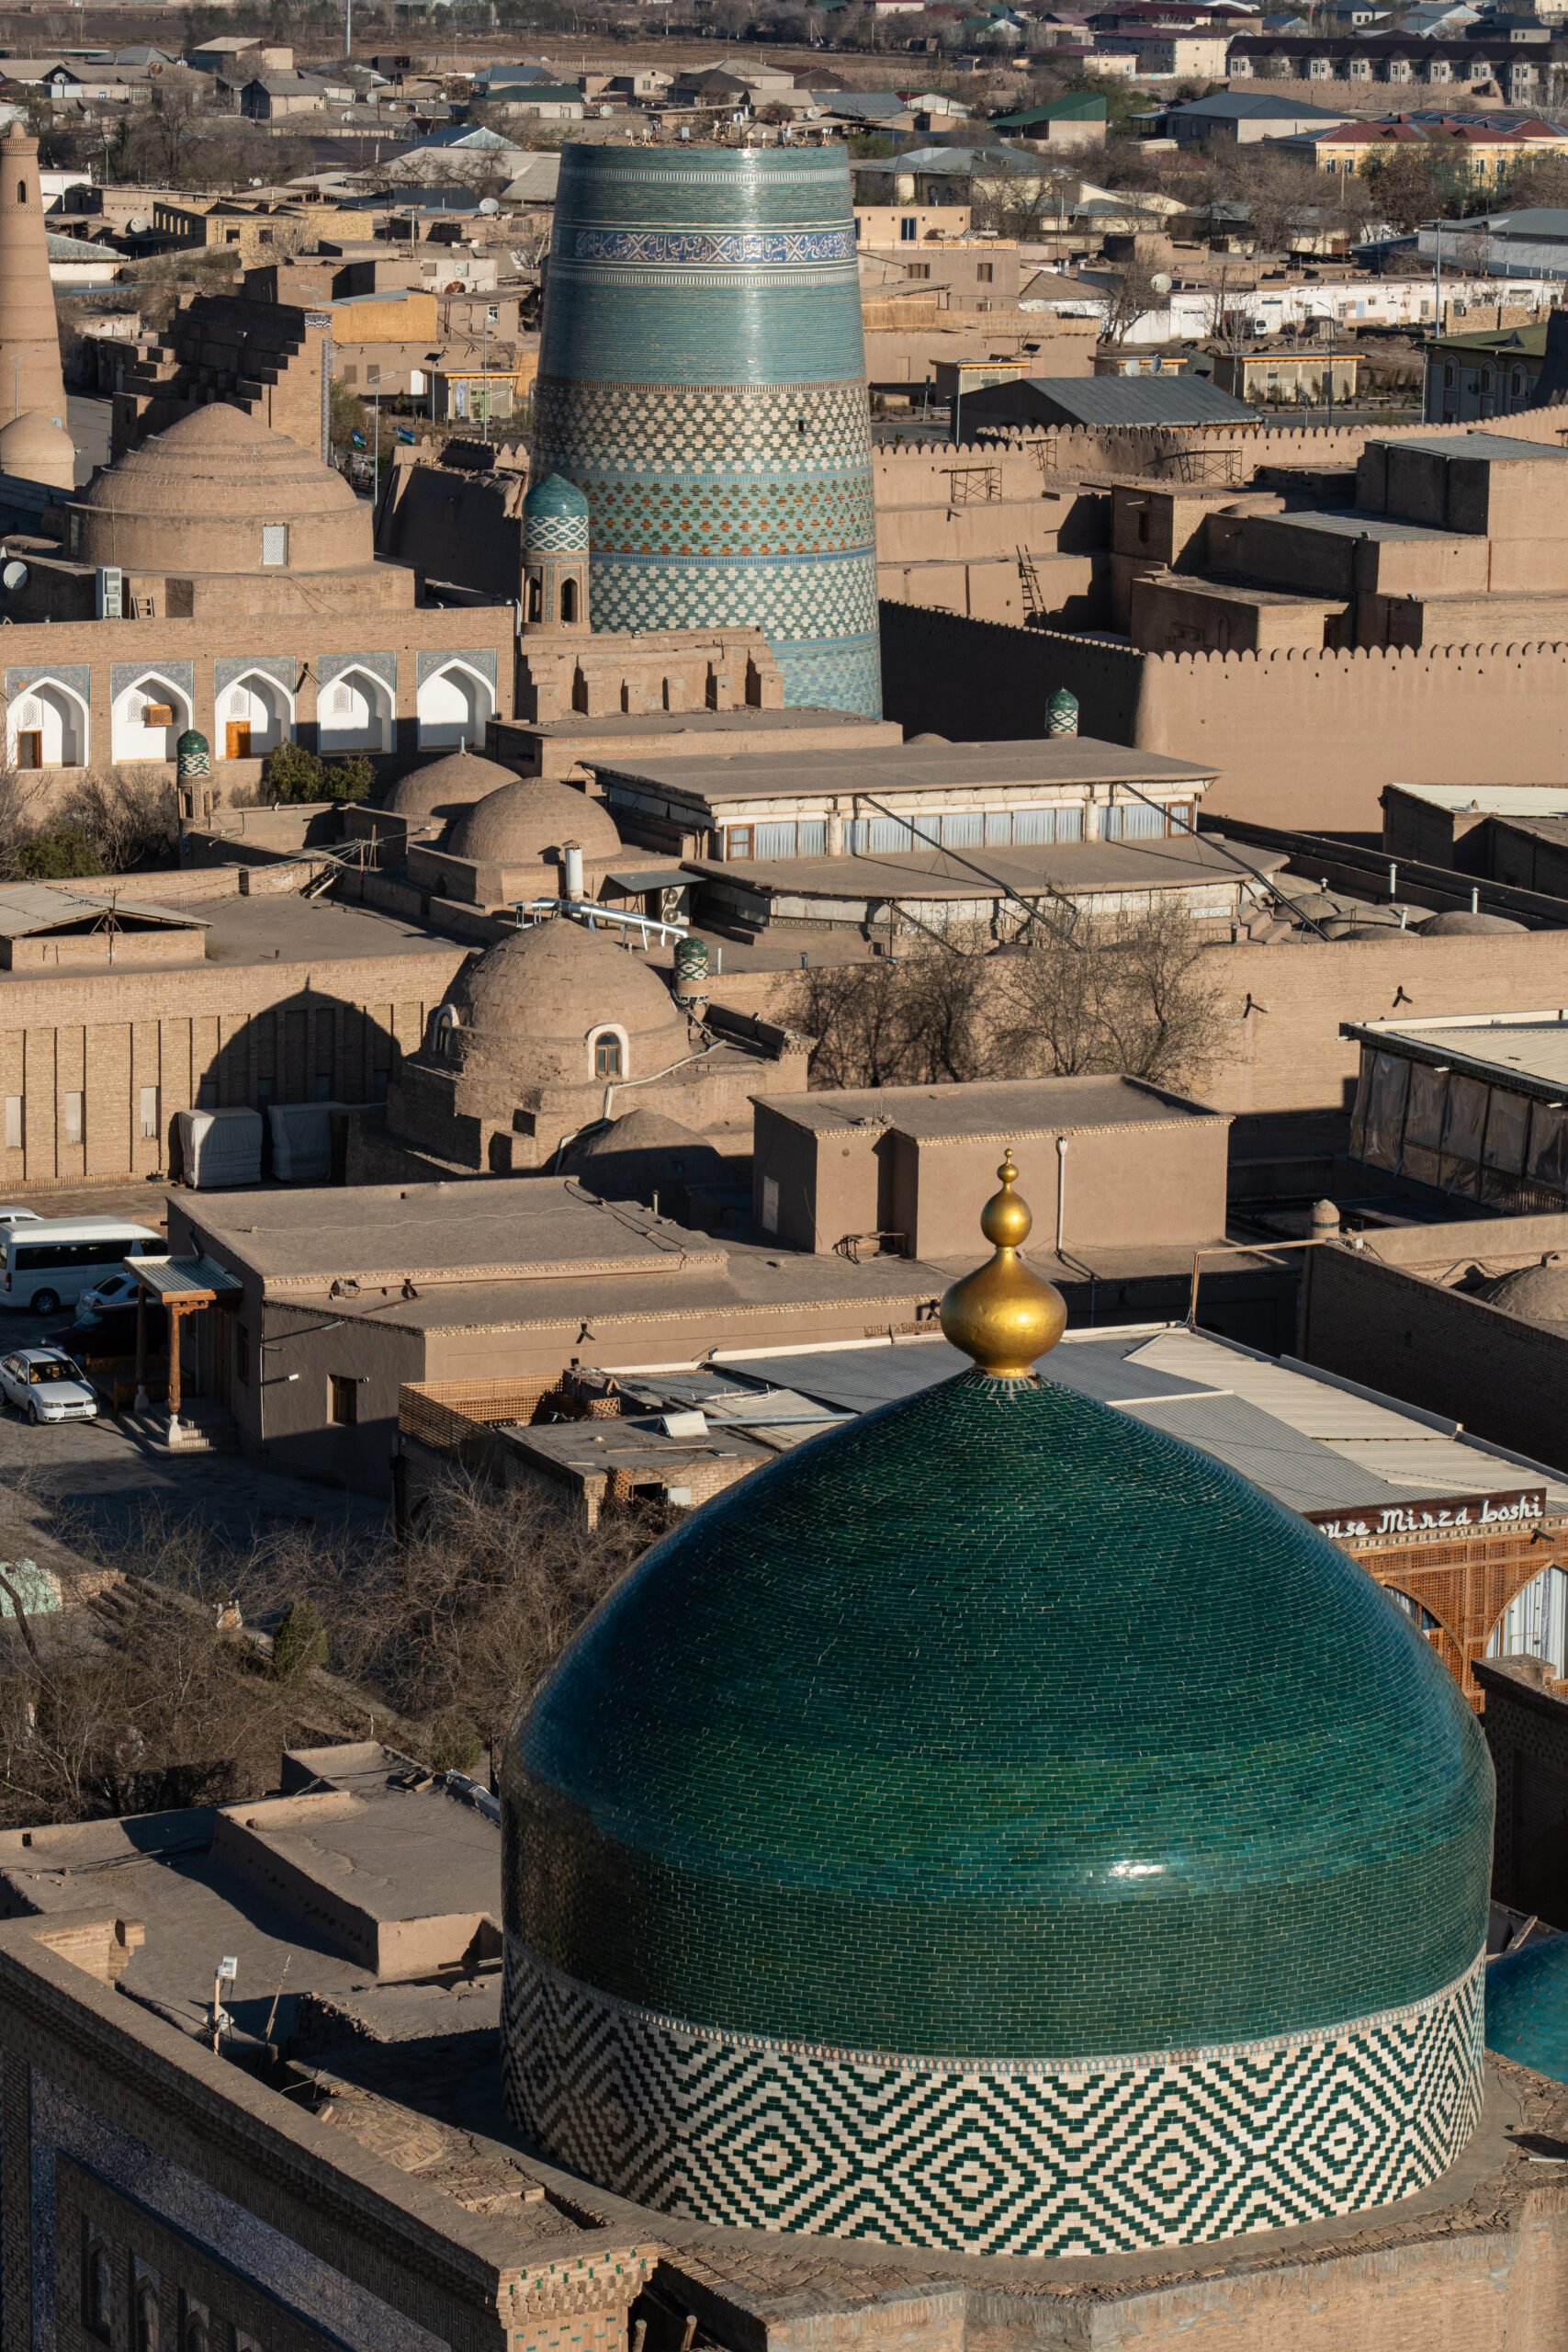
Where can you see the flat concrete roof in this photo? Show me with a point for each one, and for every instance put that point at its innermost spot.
(1055, 760)
(1172, 862)
(1355, 524)
(1524, 1051)
(285, 928)
(1495, 448)
(492, 1229)
(1013, 1106)
(799, 719)
(1492, 799)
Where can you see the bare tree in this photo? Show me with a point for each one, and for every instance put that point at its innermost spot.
(1117, 993)
(1132, 296)
(1126, 992)
(132, 822)
(21, 803)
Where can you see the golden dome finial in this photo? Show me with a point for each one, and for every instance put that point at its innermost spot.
(1002, 1315)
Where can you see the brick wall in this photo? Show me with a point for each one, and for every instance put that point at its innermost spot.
(101, 658)
(1396, 1329)
(1526, 1730)
(1301, 738)
(237, 1028)
(315, 2242)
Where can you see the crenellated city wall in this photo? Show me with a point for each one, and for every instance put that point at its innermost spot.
(1203, 454)
(1300, 739)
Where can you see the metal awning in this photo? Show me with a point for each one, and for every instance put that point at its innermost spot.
(187, 1281)
(654, 877)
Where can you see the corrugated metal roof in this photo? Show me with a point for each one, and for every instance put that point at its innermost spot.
(1437, 1465)
(1294, 1468)
(176, 1277)
(1317, 1408)
(1530, 1048)
(860, 1379)
(1118, 400)
(1312, 1444)
(28, 906)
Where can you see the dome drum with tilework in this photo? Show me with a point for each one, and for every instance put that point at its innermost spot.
(999, 1828)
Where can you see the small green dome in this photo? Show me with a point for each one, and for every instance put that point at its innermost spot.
(998, 1725)
(1527, 2006)
(555, 497)
(192, 742)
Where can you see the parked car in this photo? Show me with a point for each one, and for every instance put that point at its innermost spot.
(20, 1217)
(115, 1290)
(47, 1386)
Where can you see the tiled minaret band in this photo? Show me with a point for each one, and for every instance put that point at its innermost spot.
(702, 382)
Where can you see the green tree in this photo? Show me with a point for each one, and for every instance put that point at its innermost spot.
(54, 857)
(292, 773)
(299, 1643)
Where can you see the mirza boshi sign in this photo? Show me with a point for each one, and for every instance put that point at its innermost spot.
(1513, 1509)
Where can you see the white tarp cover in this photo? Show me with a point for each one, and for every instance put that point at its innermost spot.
(302, 1141)
(220, 1148)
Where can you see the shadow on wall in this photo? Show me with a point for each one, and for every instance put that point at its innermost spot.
(983, 682)
(310, 1048)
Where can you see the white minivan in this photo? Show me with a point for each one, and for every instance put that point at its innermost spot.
(48, 1262)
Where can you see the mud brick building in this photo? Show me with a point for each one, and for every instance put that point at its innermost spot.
(288, 1002)
(158, 2193)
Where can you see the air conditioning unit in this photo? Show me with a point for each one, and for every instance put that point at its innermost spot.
(111, 593)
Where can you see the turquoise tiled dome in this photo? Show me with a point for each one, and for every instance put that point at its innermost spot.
(1000, 1725)
(1527, 2006)
(998, 1828)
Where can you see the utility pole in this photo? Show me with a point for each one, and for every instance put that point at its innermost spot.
(348, 28)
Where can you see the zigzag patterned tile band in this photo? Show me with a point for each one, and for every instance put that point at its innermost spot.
(1101, 2156)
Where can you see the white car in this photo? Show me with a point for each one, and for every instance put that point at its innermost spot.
(19, 1217)
(115, 1290)
(45, 1385)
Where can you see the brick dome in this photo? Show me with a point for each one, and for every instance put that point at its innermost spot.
(447, 786)
(531, 1004)
(1538, 1293)
(34, 448)
(218, 492)
(525, 822)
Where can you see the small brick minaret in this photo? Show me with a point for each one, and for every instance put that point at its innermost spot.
(29, 335)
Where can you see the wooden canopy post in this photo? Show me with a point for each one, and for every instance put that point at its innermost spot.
(173, 1315)
(142, 1400)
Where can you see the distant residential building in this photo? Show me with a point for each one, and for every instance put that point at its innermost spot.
(1243, 118)
(1474, 376)
(218, 56)
(1489, 147)
(1076, 121)
(1520, 71)
(1281, 378)
(271, 97)
(1532, 242)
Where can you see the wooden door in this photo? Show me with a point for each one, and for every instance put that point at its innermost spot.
(238, 740)
(29, 748)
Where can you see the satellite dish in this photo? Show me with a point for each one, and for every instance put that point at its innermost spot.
(1160, 282)
(489, 204)
(13, 577)
(138, 224)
